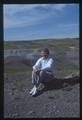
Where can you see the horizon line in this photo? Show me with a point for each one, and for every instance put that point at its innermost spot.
(43, 39)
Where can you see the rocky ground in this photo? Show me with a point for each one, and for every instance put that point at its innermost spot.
(60, 99)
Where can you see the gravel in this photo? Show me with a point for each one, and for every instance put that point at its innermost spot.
(18, 103)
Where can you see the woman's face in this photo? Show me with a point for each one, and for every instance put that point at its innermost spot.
(44, 54)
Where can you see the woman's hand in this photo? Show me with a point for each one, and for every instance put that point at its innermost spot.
(37, 71)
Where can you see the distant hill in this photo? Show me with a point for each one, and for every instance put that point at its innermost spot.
(28, 44)
(43, 39)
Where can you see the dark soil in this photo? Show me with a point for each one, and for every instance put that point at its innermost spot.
(55, 101)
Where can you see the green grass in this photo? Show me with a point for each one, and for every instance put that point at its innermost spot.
(22, 84)
(64, 72)
(61, 45)
(11, 70)
(17, 98)
(51, 97)
(13, 88)
(40, 43)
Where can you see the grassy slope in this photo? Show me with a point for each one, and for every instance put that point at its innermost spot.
(59, 45)
(39, 43)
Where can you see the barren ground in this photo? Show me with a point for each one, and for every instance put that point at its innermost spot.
(60, 101)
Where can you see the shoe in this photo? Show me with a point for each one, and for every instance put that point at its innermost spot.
(33, 89)
(35, 93)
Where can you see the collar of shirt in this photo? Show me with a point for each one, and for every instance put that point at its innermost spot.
(44, 58)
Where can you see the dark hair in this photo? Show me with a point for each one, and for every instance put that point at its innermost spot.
(46, 50)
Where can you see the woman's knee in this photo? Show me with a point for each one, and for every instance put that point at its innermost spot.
(42, 73)
(32, 72)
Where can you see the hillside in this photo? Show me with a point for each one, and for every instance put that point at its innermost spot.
(61, 98)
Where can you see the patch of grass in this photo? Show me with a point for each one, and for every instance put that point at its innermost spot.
(13, 70)
(17, 98)
(40, 43)
(64, 72)
(14, 88)
(51, 97)
(21, 84)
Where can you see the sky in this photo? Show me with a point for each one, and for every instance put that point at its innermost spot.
(40, 21)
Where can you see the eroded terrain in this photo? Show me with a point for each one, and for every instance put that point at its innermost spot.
(19, 57)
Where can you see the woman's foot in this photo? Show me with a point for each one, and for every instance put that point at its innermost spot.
(33, 89)
(35, 92)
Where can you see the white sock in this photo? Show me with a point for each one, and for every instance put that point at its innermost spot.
(34, 92)
(33, 89)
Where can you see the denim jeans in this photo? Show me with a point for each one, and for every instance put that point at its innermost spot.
(44, 76)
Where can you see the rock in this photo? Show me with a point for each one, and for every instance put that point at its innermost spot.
(54, 106)
(41, 86)
(45, 107)
(57, 111)
(65, 84)
(44, 116)
(67, 88)
(15, 114)
(11, 93)
(51, 111)
(15, 106)
(31, 112)
(10, 114)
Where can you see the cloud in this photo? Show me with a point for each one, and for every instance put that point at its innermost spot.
(21, 22)
(13, 9)
(21, 15)
(59, 6)
(17, 15)
(69, 25)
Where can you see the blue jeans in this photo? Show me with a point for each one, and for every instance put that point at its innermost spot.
(43, 77)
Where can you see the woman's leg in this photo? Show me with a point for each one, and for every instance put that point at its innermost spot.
(46, 76)
(35, 79)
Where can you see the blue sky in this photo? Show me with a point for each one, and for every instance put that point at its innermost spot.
(40, 21)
